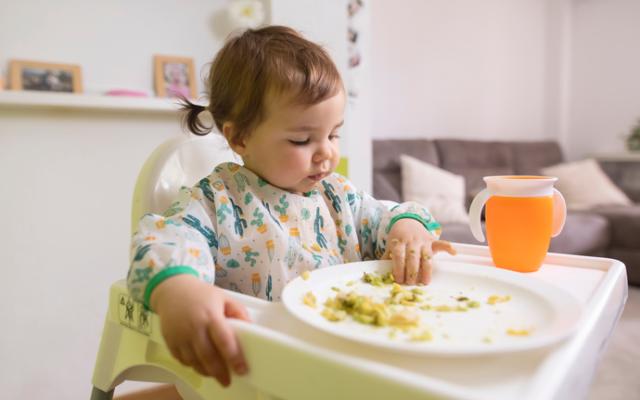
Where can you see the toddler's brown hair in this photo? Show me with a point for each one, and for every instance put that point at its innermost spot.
(258, 63)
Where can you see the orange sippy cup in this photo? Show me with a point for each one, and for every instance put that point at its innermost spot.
(522, 214)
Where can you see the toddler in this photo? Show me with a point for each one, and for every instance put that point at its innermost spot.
(279, 101)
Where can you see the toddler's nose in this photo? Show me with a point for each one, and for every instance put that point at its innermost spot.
(323, 153)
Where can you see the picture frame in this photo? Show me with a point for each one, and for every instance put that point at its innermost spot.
(175, 77)
(45, 76)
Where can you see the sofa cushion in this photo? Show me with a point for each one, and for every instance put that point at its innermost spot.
(440, 191)
(386, 163)
(531, 157)
(584, 185)
(459, 233)
(475, 159)
(583, 233)
(384, 190)
(625, 225)
(631, 259)
(626, 175)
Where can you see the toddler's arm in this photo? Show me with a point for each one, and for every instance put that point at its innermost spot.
(181, 241)
(172, 271)
(193, 318)
(407, 233)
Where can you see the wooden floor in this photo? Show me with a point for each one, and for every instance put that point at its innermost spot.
(163, 392)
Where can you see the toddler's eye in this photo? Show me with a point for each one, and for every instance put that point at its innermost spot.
(299, 142)
(334, 136)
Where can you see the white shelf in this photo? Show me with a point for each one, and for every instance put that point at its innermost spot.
(39, 100)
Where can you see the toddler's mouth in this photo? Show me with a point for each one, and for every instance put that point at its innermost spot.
(317, 177)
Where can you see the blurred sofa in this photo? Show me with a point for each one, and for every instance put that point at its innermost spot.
(612, 231)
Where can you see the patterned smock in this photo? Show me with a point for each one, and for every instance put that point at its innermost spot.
(237, 230)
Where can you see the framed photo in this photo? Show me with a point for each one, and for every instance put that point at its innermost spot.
(174, 76)
(48, 77)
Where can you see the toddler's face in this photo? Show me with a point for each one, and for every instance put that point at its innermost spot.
(295, 146)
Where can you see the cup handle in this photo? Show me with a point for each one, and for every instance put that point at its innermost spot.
(559, 213)
(475, 212)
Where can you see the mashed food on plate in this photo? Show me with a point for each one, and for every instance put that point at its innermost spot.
(399, 309)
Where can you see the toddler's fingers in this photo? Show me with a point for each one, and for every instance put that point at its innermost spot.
(227, 344)
(233, 309)
(443, 245)
(210, 359)
(425, 266)
(386, 255)
(412, 264)
(388, 252)
(398, 257)
(188, 357)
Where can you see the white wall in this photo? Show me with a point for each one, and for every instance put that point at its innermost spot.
(68, 179)
(68, 175)
(604, 72)
(456, 68)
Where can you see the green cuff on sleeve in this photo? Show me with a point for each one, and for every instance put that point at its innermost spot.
(431, 226)
(162, 276)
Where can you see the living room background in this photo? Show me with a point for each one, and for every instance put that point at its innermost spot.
(507, 70)
(561, 70)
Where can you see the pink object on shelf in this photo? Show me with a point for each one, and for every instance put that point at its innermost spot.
(126, 92)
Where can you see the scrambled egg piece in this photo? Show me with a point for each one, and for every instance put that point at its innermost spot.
(309, 299)
(361, 308)
(446, 308)
(378, 280)
(423, 336)
(333, 315)
(494, 299)
(518, 332)
(404, 297)
(404, 320)
(306, 275)
(473, 304)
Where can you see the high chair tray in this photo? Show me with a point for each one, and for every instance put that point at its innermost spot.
(290, 359)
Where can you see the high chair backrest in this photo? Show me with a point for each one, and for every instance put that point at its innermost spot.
(179, 161)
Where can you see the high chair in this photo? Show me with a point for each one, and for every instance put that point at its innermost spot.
(132, 346)
(289, 359)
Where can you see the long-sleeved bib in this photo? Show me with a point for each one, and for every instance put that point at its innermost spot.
(237, 230)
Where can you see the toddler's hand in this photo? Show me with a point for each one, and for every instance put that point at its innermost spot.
(193, 320)
(411, 247)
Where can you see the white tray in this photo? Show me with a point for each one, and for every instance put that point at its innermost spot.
(290, 359)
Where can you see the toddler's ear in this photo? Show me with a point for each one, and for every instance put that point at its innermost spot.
(229, 133)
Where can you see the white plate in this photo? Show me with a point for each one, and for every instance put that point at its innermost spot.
(547, 312)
